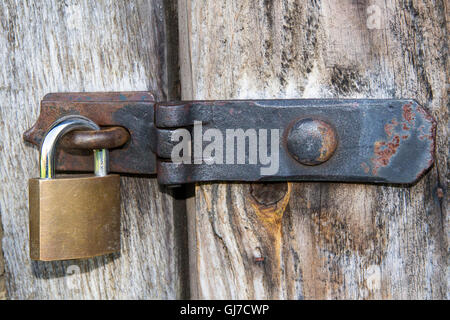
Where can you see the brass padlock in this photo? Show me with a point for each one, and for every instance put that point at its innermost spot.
(76, 216)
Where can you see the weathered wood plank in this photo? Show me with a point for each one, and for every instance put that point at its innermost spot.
(57, 46)
(319, 240)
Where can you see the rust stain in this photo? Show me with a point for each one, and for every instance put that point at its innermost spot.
(365, 167)
(425, 135)
(385, 150)
(259, 259)
(383, 153)
(408, 114)
(329, 143)
(389, 127)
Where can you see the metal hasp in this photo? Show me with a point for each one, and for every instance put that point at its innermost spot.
(357, 140)
(127, 120)
(376, 141)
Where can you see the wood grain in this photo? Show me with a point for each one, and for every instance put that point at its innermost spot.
(319, 240)
(57, 46)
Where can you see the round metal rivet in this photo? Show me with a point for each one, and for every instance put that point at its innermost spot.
(311, 141)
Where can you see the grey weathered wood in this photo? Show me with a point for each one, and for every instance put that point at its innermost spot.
(319, 240)
(57, 46)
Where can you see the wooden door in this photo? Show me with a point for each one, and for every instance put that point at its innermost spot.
(279, 240)
(318, 240)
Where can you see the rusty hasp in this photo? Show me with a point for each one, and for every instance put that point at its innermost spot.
(347, 140)
(376, 141)
(127, 122)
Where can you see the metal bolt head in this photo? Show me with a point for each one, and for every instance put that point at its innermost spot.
(311, 141)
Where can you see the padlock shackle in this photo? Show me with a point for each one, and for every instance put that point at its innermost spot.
(56, 131)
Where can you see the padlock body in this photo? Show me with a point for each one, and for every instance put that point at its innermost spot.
(74, 217)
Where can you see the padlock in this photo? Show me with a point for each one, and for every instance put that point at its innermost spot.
(74, 216)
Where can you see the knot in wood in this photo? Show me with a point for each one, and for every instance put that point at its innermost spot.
(268, 193)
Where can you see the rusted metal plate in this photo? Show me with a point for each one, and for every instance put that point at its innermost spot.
(376, 141)
(131, 110)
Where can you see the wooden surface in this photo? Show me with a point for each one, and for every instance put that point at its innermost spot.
(296, 240)
(319, 240)
(56, 46)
